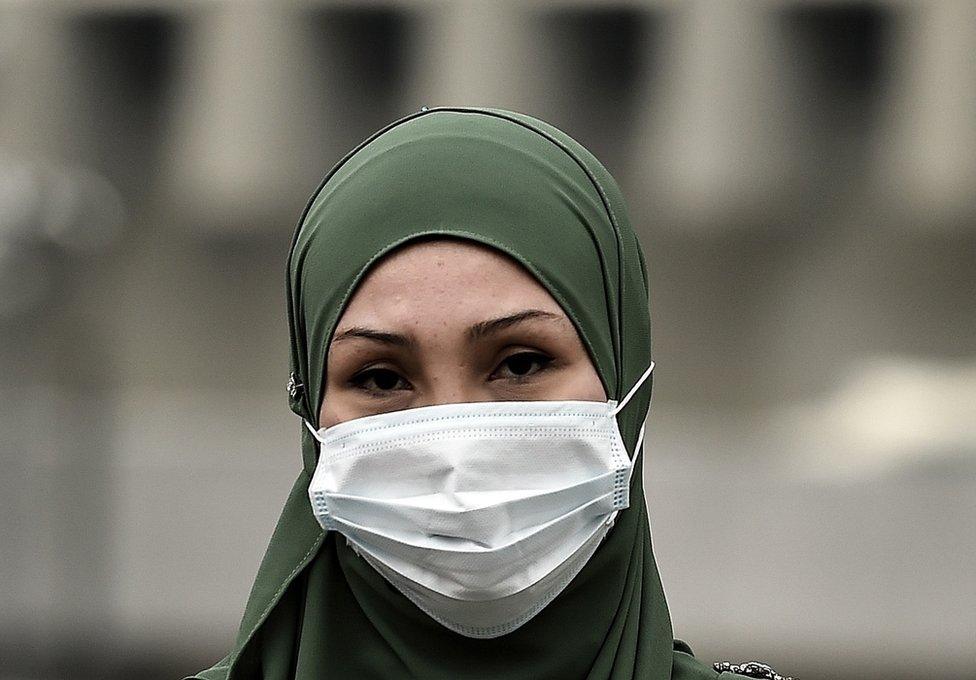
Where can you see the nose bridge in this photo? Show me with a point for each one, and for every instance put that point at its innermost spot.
(453, 382)
(454, 387)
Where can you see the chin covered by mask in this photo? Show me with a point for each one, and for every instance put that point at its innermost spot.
(479, 513)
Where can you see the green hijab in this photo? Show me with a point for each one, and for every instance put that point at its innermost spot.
(316, 610)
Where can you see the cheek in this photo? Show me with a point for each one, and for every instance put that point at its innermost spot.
(576, 382)
(328, 416)
(341, 408)
(588, 384)
(336, 406)
(581, 376)
(336, 400)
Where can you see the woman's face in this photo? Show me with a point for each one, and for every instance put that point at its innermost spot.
(446, 321)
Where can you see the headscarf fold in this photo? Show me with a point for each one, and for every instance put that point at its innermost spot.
(514, 183)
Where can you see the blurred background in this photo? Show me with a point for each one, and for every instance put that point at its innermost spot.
(802, 176)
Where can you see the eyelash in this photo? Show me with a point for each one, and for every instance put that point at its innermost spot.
(543, 359)
(360, 379)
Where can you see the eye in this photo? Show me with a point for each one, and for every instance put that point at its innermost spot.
(378, 380)
(521, 365)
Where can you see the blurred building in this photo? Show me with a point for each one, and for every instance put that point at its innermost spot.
(802, 175)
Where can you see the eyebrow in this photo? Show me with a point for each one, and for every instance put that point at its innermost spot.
(478, 330)
(483, 328)
(386, 337)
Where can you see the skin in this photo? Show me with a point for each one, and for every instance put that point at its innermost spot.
(448, 321)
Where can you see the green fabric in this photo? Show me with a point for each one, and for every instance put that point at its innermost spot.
(317, 610)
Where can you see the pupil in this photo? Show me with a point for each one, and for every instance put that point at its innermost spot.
(385, 380)
(520, 365)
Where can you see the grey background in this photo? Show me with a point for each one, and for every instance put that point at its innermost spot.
(802, 177)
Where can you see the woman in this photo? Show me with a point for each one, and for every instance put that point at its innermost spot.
(471, 356)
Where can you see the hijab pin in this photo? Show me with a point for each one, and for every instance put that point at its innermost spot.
(294, 387)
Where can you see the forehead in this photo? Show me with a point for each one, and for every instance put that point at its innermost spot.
(441, 283)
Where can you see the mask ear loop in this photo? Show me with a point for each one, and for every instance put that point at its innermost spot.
(633, 390)
(619, 407)
(637, 452)
(313, 431)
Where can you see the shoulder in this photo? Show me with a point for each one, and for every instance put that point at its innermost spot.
(686, 667)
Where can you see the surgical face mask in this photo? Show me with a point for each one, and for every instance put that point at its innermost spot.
(479, 513)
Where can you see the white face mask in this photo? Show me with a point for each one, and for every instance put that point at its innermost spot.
(479, 513)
